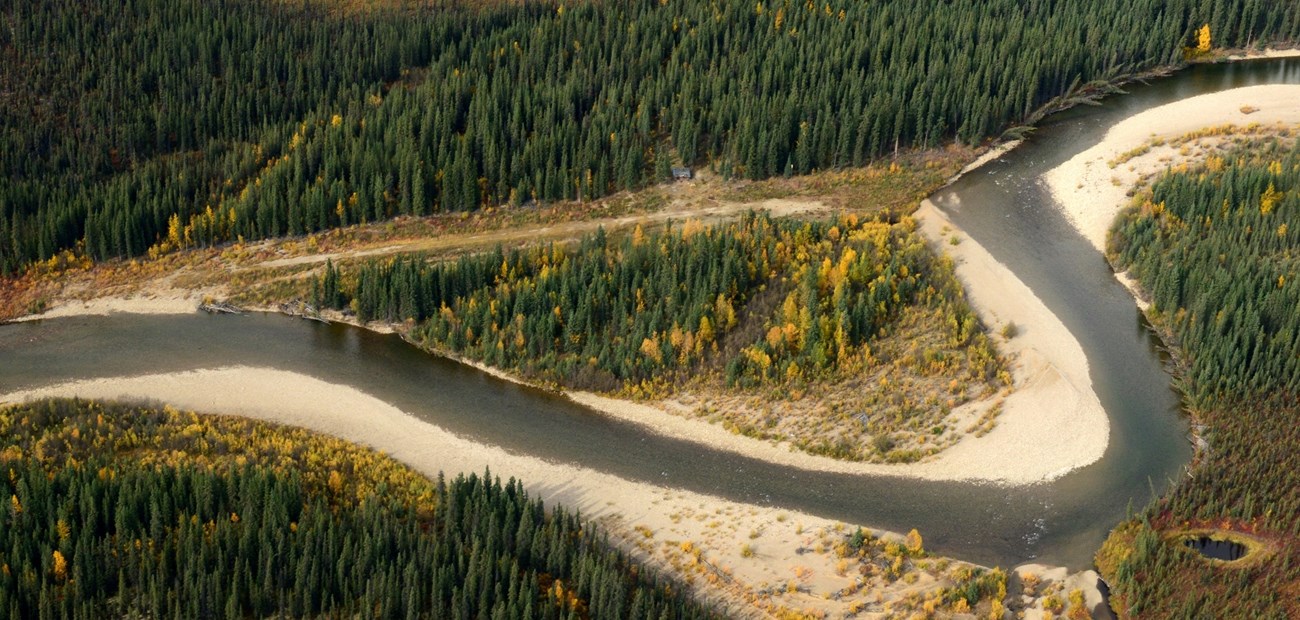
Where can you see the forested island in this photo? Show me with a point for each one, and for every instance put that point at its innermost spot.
(762, 304)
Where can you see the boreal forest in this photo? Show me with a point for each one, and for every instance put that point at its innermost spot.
(125, 511)
(662, 301)
(203, 144)
(163, 124)
(1213, 246)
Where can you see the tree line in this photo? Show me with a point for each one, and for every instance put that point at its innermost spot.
(160, 124)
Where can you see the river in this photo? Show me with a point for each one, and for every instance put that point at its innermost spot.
(1003, 206)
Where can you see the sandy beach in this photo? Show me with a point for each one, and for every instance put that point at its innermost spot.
(172, 302)
(1092, 193)
(1052, 422)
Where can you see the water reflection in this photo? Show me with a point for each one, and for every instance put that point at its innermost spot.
(1225, 550)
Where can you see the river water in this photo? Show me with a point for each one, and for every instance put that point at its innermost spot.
(1003, 206)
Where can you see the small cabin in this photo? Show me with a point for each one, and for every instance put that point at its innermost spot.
(683, 174)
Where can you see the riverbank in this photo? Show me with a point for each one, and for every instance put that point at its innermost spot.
(992, 458)
(178, 303)
(754, 559)
(1095, 185)
(1264, 53)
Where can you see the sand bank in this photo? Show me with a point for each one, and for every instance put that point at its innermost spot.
(1053, 422)
(1010, 454)
(1048, 425)
(1265, 53)
(172, 302)
(1092, 193)
(300, 400)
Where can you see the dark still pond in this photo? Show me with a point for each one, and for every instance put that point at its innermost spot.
(1225, 550)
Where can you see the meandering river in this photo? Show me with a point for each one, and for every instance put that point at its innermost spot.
(1003, 206)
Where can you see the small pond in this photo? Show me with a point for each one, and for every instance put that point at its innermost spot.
(1225, 550)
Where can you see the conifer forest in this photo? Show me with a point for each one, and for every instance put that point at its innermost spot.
(154, 123)
(708, 220)
(608, 313)
(126, 511)
(1213, 245)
